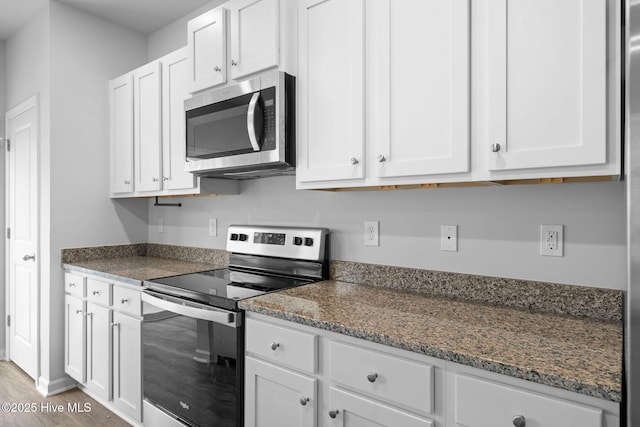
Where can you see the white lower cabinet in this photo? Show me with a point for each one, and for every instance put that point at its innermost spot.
(103, 342)
(276, 396)
(357, 383)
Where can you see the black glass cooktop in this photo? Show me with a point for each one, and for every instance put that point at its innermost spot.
(222, 288)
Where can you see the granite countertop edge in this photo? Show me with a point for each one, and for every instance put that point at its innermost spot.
(513, 371)
(106, 275)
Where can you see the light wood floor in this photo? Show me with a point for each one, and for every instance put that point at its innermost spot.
(18, 388)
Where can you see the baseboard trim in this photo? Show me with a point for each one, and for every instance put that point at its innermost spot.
(49, 388)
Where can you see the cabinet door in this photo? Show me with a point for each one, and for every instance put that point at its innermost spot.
(420, 96)
(206, 40)
(331, 90)
(121, 134)
(74, 339)
(127, 369)
(480, 403)
(174, 92)
(147, 127)
(255, 36)
(276, 397)
(547, 83)
(351, 410)
(99, 350)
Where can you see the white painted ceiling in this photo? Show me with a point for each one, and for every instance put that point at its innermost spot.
(144, 16)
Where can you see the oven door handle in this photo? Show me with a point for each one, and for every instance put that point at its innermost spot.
(189, 309)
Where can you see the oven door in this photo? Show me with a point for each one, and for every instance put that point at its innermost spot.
(193, 360)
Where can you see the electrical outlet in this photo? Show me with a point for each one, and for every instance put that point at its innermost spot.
(551, 240)
(371, 233)
(213, 227)
(449, 238)
(160, 225)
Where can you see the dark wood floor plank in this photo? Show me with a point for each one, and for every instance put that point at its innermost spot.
(16, 387)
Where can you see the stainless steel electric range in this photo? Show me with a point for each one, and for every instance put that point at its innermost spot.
(193, 330)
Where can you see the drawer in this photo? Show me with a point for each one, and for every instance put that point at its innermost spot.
(127, 300)
(98, 292)
(74, 284)
(286, 346)
(482, 403)
(387, 377)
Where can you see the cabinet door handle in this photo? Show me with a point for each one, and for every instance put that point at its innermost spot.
(275, 345)
(115, 325)
(495, 148)
(372, 377)
(353, 161)
(334, 413)
(154, 179)
(96, 292)
(519, 421)
(382, 158)
(72, 285)
(304, 400)
(124, 300)
(31, 257)
(164, 178)
(234, 63)
(217, 69)
(127, 182)
(78, 311)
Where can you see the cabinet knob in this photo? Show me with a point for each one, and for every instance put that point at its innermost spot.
(275, 345)
(165, 178)
(124, 300)
(72, 285)
(78, 311)
(31, 257)
(127, 182)
(353, 161)
(234, 63)
(304, 400)
(519, 421)
(495, 148)
(334, 413)
(372, 377)
(217, 69)
(115, 325)
(381, 158)
(96, 292)
(154, 179)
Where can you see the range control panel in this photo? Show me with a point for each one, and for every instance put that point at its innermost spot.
(285, 242)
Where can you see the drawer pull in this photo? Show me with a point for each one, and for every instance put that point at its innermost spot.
(334, 413)
(96, 292)
(275, 345)
(78, 311)
(304, 400)
(72, 285)
(124, 300)
(372, 377)
(519, 421)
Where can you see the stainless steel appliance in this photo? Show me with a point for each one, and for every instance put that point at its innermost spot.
(193, 330)
(243, 131)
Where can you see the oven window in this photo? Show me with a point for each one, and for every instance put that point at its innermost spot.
(191, 368)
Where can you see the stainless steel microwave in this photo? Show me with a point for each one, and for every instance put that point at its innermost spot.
(243, 131)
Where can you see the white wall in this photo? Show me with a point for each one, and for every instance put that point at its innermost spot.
(27, 74)
(86, 52)
(2, 151)
(174, 35)
(498, 227)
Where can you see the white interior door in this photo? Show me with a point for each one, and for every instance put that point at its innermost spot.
(22, 244)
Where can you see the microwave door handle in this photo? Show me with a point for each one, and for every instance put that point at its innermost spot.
(251, 127)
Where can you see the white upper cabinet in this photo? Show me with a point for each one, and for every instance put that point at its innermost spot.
(419, 86)
(121, 134)
(174, 91)
(147, 127)
(547, 83)
(331, 122)
(255, 37)
(206, 40)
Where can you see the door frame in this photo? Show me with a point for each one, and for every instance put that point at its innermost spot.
(32, 102)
